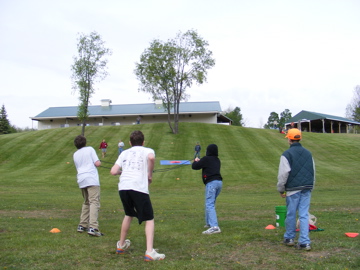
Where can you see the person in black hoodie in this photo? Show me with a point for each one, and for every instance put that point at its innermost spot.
(210, 165)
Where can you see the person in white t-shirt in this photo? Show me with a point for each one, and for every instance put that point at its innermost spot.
(135, 167)
(121, 146)
(86, 162)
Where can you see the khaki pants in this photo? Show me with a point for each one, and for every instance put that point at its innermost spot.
(90, 208)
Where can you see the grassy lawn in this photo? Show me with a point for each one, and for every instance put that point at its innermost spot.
(38, 192)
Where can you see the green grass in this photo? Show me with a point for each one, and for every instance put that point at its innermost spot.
(38, 192)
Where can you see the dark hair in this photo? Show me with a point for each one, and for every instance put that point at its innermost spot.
(137, 138)
(80, 141)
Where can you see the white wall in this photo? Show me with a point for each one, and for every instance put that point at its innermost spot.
(126, 120)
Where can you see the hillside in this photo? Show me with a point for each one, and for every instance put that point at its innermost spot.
(248, 155)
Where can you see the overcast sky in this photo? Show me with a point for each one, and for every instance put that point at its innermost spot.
(270, 55)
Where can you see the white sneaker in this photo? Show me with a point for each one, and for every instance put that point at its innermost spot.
(82, 229)
(121, 249)
(153, 256)
(212, 230)
(94, 232)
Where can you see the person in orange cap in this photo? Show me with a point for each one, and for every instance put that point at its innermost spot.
(296, 179)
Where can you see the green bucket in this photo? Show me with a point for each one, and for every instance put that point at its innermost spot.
(280, 212)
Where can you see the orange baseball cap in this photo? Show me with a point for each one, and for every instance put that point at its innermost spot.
(294, 134)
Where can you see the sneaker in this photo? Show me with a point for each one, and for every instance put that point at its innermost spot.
(153, 256)
(212, 230)
(94, 232)
(289, 242)
(121, 249)
(306, 247)
(206, 226)
(81, 229)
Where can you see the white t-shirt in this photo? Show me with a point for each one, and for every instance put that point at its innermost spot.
(121, 144)
(87, 173)
(134, 165)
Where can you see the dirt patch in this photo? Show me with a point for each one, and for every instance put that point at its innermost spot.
(272, 255)
(55, 213)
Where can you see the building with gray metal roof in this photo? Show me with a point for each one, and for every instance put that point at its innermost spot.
(323, 123)
(126, 114)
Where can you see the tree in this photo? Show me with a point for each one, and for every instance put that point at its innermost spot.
(89, 67)
(353, 109)
(284, 117)
(5, 127)
(236, 116)
(273, 120)
(167, 69)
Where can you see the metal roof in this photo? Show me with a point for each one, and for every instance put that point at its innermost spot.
(306, 115)
(130, 109)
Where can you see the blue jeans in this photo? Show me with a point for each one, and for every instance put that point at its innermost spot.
(298, 202)
(212, 190)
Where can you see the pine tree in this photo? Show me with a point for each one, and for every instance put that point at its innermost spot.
(5, 127)
(236, 116)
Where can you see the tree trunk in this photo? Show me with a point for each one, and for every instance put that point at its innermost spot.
(176, 117)
(169, 120)
(86, 110)
(83, 128)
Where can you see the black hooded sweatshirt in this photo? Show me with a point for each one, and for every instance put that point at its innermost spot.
(210, 165)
